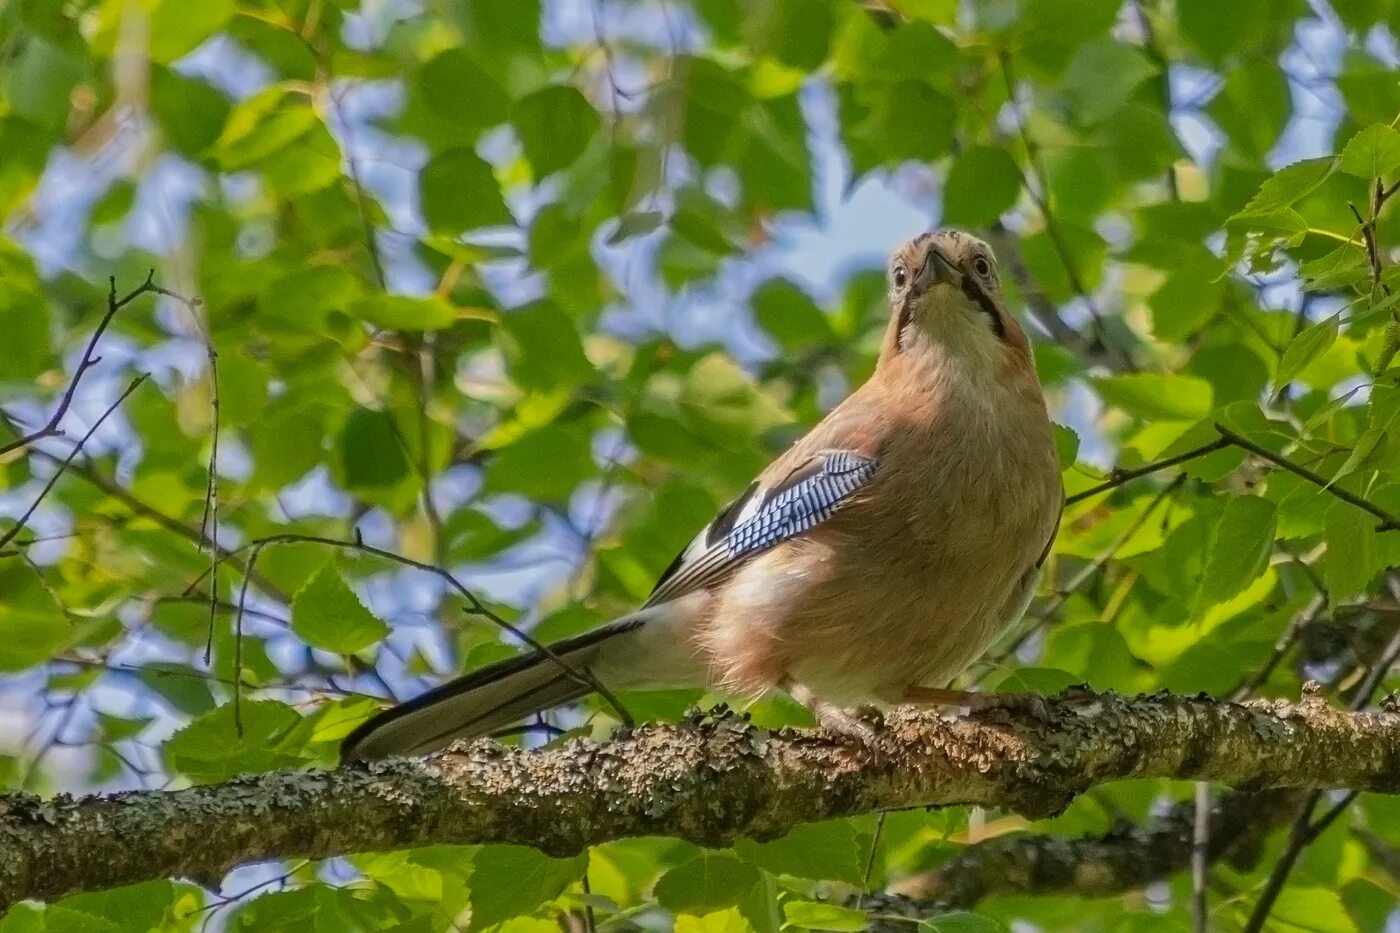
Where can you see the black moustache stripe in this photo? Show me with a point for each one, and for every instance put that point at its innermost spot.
(979, 297)
(906, 317)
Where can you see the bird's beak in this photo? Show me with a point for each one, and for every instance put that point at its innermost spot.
(937, 268)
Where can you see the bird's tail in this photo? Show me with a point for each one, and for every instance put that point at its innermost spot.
(488, 699)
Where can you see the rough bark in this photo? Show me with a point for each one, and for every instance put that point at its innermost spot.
(710, 779)
(1125, 858)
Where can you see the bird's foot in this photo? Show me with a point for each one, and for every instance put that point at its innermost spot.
(978, 705)
(862, 724)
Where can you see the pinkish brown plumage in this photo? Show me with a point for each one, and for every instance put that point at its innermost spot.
(868, 565)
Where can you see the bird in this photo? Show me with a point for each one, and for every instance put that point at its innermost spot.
(865, 568)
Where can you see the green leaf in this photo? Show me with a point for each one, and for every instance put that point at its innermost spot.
(697, 219)
(720, 403)
(1239, 551)
(546, 464)
(885, 135)
(833, 850)
(40, 80)
(371, 450)
(213, 749)
(1222, 29)
(795, 34)
(404, 312)
(327, 614)
(555, 125)
(32, 624)
(1158, 397)
(137, 908)
(1311, 342)
(1352, 555)
(320, 908)
(635, 224)
(709, 882)
(811, 915)
(1252, 108)
(458, 192)
(786, 312)
(1315, 909)
(24, 320)
(508, 880)
(1373, 152)
(961, 922)
(176, 27)
(1290, 184)
(982, 184)
(459, 89)
(278, 133)
(1066, 445)
(543, 348)
(1102, 77)
(721, 921)
(1345, 266)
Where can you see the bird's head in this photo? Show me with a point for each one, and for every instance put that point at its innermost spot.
(945, 290)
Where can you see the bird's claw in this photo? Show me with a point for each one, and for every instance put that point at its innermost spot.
(1030, 705)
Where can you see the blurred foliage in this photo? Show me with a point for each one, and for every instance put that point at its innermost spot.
(496, 286)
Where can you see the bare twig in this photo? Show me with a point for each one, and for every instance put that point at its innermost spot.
(1389, 521)
(581, 676)
(1119, 477)
(144, 509)
(1200, 858)
(1305, 831)
(89, 360)
(1037, 192)
(63, 466)
(1285, 641)
(1089, 570)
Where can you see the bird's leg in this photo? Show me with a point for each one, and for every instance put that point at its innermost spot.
(1029, 704)
(834, 718)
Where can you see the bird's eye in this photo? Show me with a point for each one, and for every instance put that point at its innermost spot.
(900, 276)
(982, 266)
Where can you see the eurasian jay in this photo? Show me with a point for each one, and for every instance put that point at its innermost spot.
(868, 565)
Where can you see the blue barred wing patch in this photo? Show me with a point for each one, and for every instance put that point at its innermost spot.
(794, 508)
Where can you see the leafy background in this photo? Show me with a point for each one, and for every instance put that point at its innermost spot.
(525, 290)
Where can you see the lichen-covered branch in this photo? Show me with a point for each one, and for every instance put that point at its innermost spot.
(1126, 857)
(710, 780)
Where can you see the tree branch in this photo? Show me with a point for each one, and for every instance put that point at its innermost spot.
(1125, 858)
(89, 360)
(710, 780)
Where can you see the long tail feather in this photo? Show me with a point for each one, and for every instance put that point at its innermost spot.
(483, 701)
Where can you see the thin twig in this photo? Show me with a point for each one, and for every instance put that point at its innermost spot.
(1119, 477)
(1089, 570)
(1200, 859)
(1389, 521)
(237, 636)
(1378, 196)
(89, 360)
(144, 509)
(9, 535)
(581, 676)
(1159, 58)
(1285, 641)
(1038, 194)
(1305, 830)
(209, 520)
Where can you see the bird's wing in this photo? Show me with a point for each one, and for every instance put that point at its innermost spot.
(763, 516)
